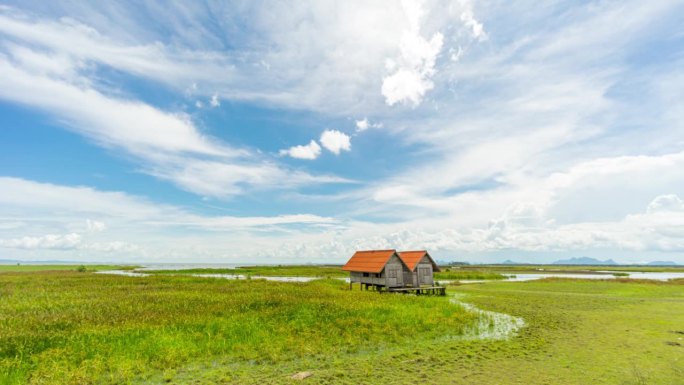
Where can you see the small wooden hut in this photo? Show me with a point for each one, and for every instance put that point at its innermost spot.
(406, 271)
(420, 268)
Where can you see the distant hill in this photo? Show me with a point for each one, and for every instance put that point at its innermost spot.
(584, 261)
(509, 262)
(452, 263)
(662, 263)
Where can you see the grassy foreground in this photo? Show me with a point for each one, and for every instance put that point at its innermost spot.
(25, 268)
(81, 328)
(577, 332)
(64, 327)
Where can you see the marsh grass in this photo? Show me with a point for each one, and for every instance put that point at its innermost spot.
(576, 332)
(29, 268)
(451, 274)
(76, 328)
(266, 271)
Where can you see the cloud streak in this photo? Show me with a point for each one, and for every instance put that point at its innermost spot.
(169, 144)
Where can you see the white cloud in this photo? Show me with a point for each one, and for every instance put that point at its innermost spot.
(309, 151)
(169, 144)
(214, 102)
(33, 200)
(131, 125)
(475, 26)
(364, 124)
(199, 104)
(137, 229)
(519, 133)
(267, 63)
(68, 242)
(412, 71)
(50, 241)
(664, 203)
(523, 226)
(335, 141)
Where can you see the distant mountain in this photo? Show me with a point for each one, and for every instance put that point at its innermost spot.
(584, 261)
(509, 262)
(451, 263)
(662, 263)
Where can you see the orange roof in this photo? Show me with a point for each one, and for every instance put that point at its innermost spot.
(369, 261)
(412, 258)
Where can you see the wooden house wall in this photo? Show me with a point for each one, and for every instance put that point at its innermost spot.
(394, 264)
(416, 280)
(425, 266)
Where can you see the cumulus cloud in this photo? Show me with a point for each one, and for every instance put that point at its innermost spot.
(214, 102)
(364, 124)
(524, 227)
(411, 72)
(309, 151)
(664, 203)
(335, 141)
(476, 28)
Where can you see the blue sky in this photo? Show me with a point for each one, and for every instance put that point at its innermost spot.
(270, 132)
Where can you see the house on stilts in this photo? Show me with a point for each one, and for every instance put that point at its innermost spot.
(389, 270)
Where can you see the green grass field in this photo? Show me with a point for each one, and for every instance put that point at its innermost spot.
(83, 328)
(455, 274)
(26, 268)
(76, 328)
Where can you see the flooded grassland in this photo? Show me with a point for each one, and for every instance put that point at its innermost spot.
(79, 328)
